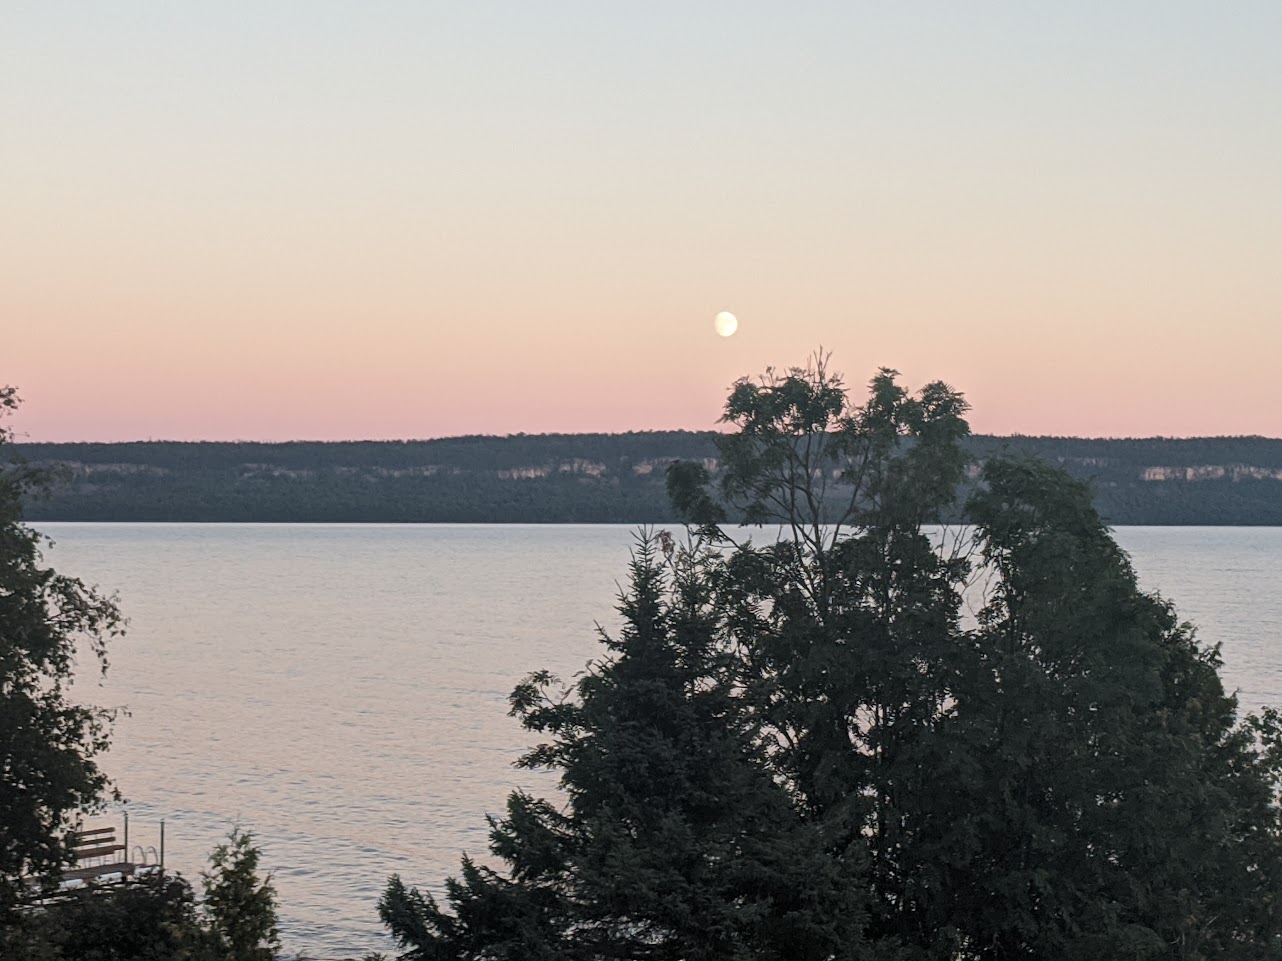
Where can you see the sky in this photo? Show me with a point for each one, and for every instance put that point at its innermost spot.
(319, 220)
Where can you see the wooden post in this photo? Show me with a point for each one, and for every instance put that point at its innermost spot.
(126, 857)
(162, 844)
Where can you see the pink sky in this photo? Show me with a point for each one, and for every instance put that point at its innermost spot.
(328, 222)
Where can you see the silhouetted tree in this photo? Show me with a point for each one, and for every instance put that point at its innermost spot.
(674, 842)
(1064, 777)
(48, 745)
(240, 906)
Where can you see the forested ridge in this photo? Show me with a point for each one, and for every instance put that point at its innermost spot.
(582, 478)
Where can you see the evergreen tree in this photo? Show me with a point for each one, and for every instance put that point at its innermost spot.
(240, 907)
(674, 841)
(1109, 803)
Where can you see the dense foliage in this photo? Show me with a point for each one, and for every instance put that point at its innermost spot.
(858, 739)
(241, 908)
(585, 478)
(676, 842)
(48, 744)
(153, 919)
(156, 917)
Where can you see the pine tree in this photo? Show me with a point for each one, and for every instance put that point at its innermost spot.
(673, 841)
(240, 907)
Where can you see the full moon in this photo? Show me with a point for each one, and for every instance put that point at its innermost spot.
(726, 323)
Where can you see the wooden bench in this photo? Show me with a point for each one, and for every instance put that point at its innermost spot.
(94, 844)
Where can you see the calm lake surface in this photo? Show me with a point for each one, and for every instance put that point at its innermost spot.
(341, 690)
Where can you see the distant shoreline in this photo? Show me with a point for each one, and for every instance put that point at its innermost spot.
(581, 479)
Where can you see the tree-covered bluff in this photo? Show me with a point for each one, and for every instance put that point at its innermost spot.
(585, 478)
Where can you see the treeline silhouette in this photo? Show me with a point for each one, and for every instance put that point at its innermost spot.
(581, 478)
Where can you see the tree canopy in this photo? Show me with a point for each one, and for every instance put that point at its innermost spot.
(867, 735)
(48, 743)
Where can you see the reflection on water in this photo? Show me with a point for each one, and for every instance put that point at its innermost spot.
(341, 690)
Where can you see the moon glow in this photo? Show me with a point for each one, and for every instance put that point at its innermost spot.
(726, 323)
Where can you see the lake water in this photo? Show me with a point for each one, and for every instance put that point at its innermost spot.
(341, 690)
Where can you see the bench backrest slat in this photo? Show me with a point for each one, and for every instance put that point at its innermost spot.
(84, 843)
(85, 854)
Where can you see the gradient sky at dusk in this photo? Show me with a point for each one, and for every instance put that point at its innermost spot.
(311, 219)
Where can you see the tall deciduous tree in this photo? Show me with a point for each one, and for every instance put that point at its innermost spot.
(1062, 775)
(48, 744)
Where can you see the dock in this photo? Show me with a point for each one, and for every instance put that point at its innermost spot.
(103, 857)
